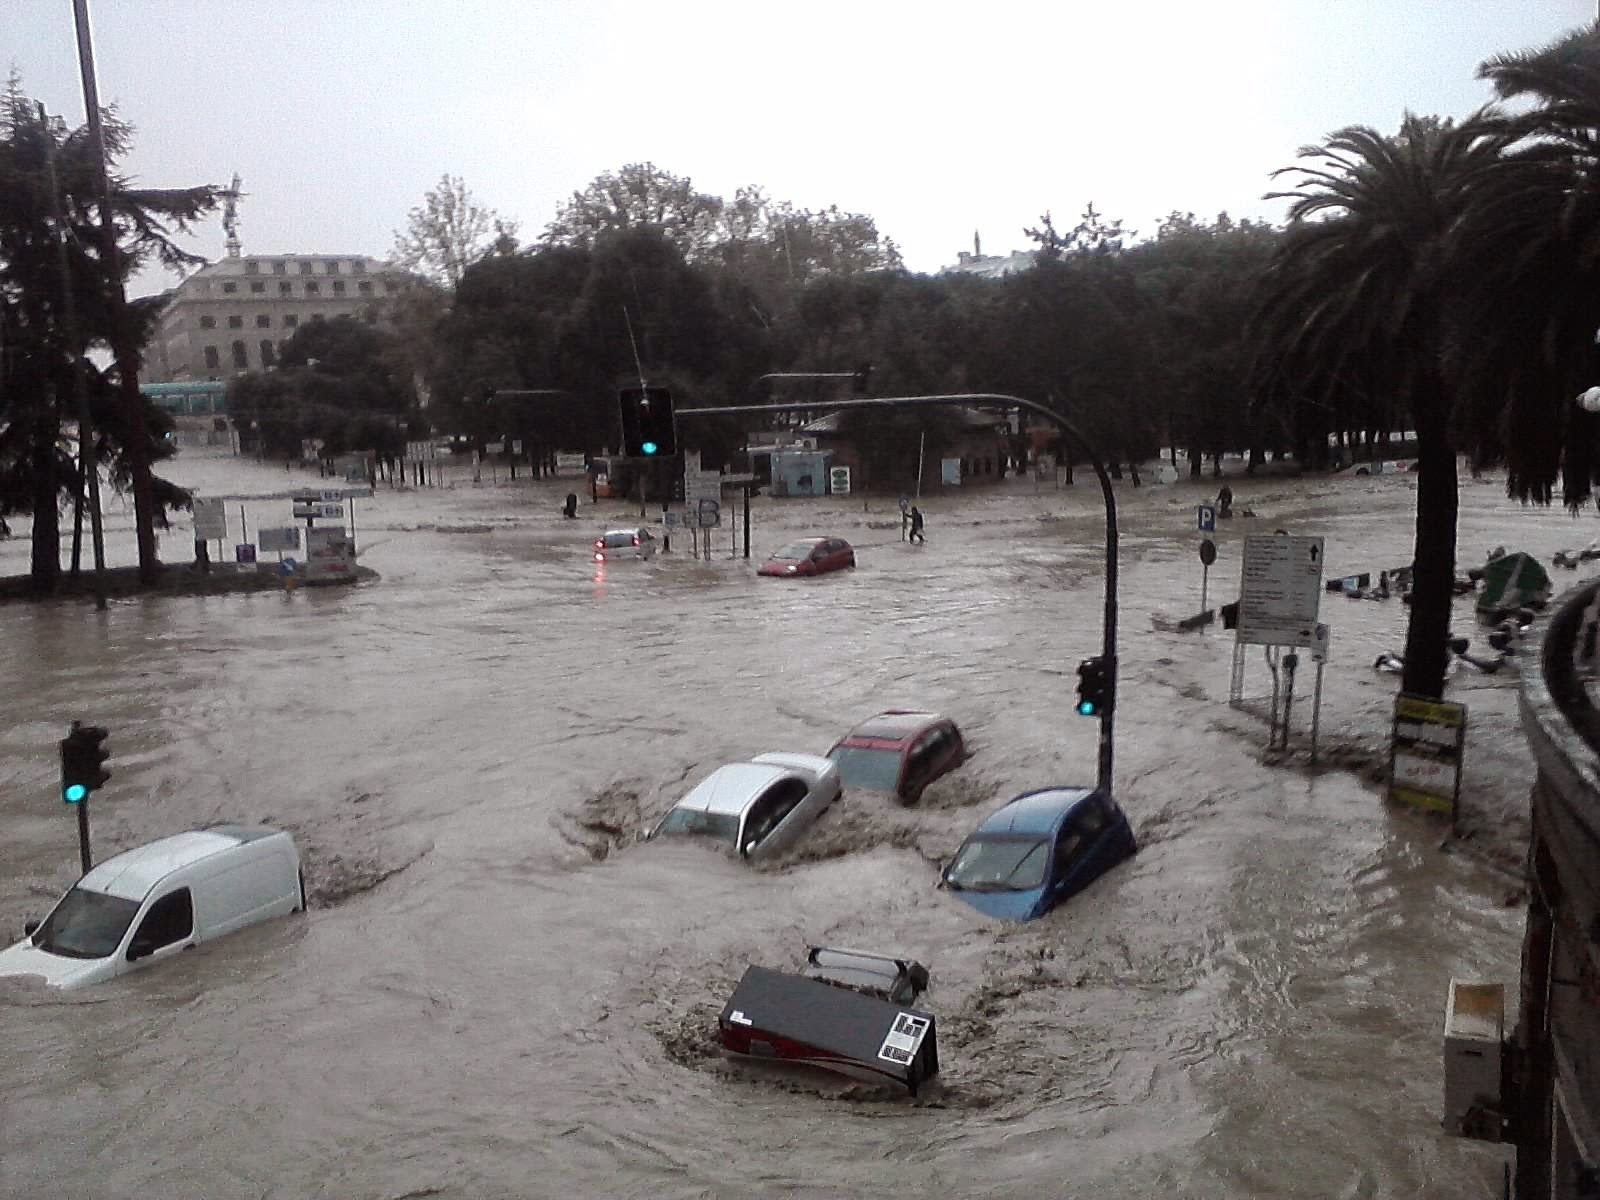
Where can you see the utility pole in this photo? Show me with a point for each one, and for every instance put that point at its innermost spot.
(88, 467)
(122, 347)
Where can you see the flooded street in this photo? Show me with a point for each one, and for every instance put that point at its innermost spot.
(499, 991)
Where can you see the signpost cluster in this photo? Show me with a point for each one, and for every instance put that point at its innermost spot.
(1280, 590)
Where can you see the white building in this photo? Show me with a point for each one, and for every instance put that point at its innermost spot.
(234, 315)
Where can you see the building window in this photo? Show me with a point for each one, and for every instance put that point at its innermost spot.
(241, 356)
(268, 354)
(230, 287)
(280, 268)
(208, 322)
(338, 287)
(333, 266)
(364, 287)
(235, 322)
(313, 288)
(263, 321)
(285, 288)
(290, 320)
(252, 267)
(258, 287)
(305, 268)
(212, 361)
(358, 266)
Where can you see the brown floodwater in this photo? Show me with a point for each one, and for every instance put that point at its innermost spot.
(500, 991)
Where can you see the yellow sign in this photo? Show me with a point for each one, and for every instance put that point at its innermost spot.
(1425, 751)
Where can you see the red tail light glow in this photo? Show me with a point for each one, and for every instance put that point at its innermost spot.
(635, 541)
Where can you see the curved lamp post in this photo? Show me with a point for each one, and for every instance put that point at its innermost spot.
(1109, 640)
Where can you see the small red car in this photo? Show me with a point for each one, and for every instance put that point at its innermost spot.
(810, 556)
(900, 752)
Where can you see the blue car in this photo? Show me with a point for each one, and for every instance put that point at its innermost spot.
(1042, 847)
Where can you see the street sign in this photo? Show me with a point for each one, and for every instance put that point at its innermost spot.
(1208, 551)
(839, 480)
(244, 553)
(306, 506)
(1280, 588)
(905, 503)
(1208, 518)
(330, 512)
(210, 521)
(1425, 750)
(740, 477)
(702, 499)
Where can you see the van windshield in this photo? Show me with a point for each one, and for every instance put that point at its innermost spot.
(85, 925)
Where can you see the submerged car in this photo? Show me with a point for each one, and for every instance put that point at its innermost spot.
(810, 556)
(624, 543)
(760, 807)
(899, 751)
(1036, 851)
(149, 903)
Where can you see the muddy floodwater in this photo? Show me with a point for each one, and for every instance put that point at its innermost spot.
(500, 991)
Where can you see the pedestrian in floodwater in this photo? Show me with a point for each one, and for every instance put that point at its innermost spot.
(916, 525)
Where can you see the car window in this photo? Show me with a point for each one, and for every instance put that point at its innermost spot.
(793, 552)
(86, 924)
(722, 826)
(999, 864)
(860, 767)
(776, 803)
(623, 538)
(170, 919)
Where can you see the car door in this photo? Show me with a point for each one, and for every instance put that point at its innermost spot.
(166, 927)
(925, 763)
(793, 805)
(1084, 849)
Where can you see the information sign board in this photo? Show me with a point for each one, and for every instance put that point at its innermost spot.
(210, 521)
(702, 499)
(1425, 751)
(330, 512)
(839, 480)
(1280, 588)
(276, 541)
(330, 554)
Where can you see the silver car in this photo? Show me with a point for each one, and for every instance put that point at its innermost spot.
(760, 807)
(616, 544)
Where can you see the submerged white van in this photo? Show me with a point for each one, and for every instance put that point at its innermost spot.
(149, 903)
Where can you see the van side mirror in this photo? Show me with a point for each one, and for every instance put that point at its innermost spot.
(30, 926)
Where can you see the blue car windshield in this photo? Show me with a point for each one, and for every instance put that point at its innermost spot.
(999, 864)
(859, 767)
(724, 827)
(85, 925)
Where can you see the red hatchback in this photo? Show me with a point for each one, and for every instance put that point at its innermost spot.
(810, 556)
(899, 752)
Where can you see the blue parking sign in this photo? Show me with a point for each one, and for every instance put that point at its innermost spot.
(1208, 518)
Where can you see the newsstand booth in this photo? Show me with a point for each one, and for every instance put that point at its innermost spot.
(790, 1018)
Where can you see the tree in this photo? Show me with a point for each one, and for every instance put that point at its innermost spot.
(50, 199)
(639, 194)
(449, 231)
(1362, 280)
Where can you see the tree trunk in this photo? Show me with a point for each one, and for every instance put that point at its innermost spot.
(45, 563)
(1434, 562)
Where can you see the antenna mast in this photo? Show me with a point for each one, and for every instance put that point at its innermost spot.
(638, 364)
(230, 214)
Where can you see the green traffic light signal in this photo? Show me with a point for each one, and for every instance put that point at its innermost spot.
(649, 447)
(74, 793)
(1086, 708)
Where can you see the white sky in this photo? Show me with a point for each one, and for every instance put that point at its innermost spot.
(936, 119)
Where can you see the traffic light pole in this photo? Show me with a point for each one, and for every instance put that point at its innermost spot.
(83, 833)
(1109, 632)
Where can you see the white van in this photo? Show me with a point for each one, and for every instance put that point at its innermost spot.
(149, 903)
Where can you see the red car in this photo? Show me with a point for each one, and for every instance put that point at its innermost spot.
(899, 752)
(810, 556)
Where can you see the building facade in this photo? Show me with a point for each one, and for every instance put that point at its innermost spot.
(234, 315)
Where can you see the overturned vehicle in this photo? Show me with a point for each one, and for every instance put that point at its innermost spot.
(846, 1011)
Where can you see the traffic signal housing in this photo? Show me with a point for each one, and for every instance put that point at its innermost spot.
(648, 427)
(1094, 687)
(83, 757)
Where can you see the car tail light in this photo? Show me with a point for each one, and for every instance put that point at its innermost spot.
(635, 541)
(599, 557)
(599, 543)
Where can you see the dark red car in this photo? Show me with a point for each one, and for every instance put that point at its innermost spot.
(900, 752)
(810, 556)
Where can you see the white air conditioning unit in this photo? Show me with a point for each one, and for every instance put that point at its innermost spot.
(1474, 1033)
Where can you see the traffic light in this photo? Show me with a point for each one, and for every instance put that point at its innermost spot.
(1094, 687)
(648, 428)
(83, 756)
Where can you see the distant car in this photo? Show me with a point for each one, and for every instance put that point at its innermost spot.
(1042, 847)
(898, 751)
(760, 807)
(624, 543)
(810, 556)
(897, 980)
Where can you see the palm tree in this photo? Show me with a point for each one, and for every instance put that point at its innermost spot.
(1532, 233)
(1359, 289)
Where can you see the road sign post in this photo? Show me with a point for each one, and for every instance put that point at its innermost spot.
(1208, 555)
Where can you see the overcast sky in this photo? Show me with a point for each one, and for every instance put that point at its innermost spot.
(935, 119)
